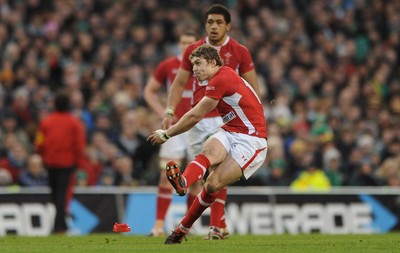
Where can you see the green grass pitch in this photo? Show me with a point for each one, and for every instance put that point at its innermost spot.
(236, 243)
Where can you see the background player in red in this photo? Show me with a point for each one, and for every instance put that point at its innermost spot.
(176, 148)
(237, 150)
(235, 56)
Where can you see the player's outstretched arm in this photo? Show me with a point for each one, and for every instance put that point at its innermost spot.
(187, 121)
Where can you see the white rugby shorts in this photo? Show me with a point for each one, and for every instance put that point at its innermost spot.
(248, 151)
(175, 148)
(198, 134)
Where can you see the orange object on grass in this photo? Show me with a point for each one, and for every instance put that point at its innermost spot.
(118, 228)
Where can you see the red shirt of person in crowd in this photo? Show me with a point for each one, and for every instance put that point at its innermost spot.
(61, 140)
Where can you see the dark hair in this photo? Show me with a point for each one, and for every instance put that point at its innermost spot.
(207, 52)
(221, 10)
(61, 102)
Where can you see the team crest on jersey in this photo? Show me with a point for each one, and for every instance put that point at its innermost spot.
(228, 117)
(227, 57)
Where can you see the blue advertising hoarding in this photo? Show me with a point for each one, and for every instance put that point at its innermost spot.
(249, 210)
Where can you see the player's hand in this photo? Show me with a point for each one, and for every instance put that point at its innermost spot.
(158, 137)
(168, 121)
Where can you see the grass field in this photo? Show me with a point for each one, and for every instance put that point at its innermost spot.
(237, 243)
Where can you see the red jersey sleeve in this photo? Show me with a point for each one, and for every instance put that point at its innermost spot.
(186, 63)
(246, 62)
(161, 72)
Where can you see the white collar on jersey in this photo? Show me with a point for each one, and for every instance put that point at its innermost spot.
(218, 47)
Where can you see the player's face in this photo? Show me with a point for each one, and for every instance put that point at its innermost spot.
(202, 70)
(185, 41)
(217, 29)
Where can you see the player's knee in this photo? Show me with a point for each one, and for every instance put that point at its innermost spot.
(212, 186)
(196, 187)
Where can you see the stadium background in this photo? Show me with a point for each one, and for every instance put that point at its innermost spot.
(328, 72)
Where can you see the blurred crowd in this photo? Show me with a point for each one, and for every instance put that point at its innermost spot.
(328, 71)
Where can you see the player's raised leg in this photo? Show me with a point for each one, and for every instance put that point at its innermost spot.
(226, 173)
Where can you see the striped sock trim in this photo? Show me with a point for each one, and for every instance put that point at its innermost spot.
(202, 202)
(183, 229)
(201, 166)
(164, 196)
(220, 201)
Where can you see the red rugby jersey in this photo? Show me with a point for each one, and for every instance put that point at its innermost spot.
(239, 106)
(234, 55)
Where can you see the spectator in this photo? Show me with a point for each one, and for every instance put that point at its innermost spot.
(332, 166)
(276, 174)
(364, 175)
(297, 151)
(22, 108)
(9, 124)
(61, 141)
(389, 172)
(104, 124)
(123, 167)
(312, 178)
(91, 167)
(15, 161)
(133, 144)
(5, 177)
(107, 178)
(34, 174)
(345, 143)
(9, 140)
(79, 110)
